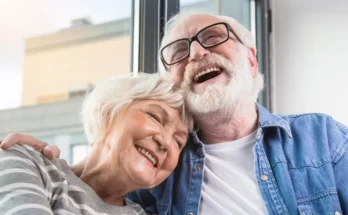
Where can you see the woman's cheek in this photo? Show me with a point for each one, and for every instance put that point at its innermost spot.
(172, 160)
(145, 128)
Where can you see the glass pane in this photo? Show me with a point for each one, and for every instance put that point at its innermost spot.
(55, 50)
(238, 9)
(51, 53)
(78, 152)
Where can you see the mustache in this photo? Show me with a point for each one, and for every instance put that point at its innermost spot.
(192, 68)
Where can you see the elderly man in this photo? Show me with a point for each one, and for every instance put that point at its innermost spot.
(242, 159)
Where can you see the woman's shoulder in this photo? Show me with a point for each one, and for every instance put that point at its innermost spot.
(18, 152)
(29, 178)
(24, 156)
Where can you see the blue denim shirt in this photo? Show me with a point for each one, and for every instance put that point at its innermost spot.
(305, 159)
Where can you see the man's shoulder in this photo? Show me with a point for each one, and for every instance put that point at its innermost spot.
(304, 116)
(319, 131)
(314, 120)
(291, 121)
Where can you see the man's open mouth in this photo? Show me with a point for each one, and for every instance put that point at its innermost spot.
(207, 74)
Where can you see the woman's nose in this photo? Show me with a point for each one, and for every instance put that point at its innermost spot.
(163, 140)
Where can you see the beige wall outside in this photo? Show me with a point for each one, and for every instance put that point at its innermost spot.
(53, 71)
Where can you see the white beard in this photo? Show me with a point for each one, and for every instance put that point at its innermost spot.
(218, 97)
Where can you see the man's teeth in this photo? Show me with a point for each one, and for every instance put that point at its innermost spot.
(206, 72)
(147, 155)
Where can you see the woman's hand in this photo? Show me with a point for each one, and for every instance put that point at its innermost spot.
(50, 151)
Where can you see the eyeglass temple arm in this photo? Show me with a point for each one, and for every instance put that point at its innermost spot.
(230, 29)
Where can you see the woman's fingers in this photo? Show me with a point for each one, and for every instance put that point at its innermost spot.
(50, 151)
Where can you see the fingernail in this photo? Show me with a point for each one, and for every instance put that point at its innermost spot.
(3, 145)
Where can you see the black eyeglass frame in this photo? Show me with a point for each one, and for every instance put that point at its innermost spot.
(195, 38)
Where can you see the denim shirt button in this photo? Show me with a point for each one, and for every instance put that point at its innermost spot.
(190, 213)
(197, 168)
(265, 178)
(337, 213)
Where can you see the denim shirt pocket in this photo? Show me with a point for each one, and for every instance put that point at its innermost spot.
(315, 187)
(325, 203)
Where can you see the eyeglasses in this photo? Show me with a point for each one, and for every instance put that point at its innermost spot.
(210, 36)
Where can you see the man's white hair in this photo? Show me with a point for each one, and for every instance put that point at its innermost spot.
(110, 96)
(242, 32)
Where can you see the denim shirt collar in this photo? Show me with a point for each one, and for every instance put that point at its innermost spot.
(266, 120)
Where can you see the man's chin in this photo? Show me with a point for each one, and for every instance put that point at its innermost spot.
(206, 102)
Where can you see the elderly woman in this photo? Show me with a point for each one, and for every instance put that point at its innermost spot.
(137, 127)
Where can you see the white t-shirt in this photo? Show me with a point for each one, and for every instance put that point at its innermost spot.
(230, 185)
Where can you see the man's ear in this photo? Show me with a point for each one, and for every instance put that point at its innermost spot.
(254, 66)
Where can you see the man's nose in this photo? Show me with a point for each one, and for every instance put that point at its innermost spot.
(197, 52)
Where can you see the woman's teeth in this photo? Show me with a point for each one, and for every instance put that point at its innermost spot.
(147, 155)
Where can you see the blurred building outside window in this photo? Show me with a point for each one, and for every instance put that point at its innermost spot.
(52, 54)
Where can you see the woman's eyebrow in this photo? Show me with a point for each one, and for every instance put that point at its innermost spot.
(182, 132)
(160, 109)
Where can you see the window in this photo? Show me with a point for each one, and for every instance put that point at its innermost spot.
(78, 152)
(51, 53)
(51, 49)
(238, 9)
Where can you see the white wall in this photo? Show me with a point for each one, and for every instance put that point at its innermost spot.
(310, 57)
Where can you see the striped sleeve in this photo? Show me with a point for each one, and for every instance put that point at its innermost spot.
(22, 189)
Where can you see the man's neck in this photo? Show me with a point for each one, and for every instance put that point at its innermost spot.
(229, 125)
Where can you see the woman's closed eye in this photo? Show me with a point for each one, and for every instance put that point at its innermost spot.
(155, 116)
(178, 142)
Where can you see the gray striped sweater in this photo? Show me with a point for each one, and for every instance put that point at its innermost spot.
(33, 184)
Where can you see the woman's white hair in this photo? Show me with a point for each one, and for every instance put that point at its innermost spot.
(113, 94)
